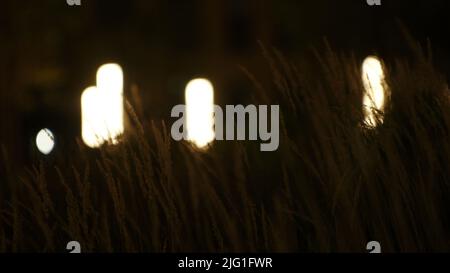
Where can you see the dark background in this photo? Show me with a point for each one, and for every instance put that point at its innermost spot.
(49, 52)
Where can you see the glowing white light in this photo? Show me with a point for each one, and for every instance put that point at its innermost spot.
(102, 108)
(376, 90)
(200, 112)
(110, 85)
(94, 130)
(45, 141)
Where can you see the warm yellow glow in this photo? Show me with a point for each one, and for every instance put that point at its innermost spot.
(94, 130)
(102, 108)
(200, 112)
(376, 90)
(45, 141)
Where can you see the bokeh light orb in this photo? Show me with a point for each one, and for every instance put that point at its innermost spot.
(376, 90)
(102, 108)
(200, 112)
(45, 141)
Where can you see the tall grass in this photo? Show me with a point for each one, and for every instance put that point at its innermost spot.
(333, 185)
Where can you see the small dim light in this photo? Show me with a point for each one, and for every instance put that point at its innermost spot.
(376, 90)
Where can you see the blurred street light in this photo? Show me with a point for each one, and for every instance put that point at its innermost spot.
(200, 112)
(102, 108)
(376, 90)
(45, 141)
